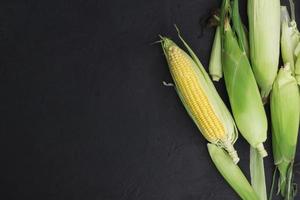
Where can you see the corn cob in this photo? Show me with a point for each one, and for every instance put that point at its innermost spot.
(285, 112)
(231, 173)
(264, 38)
(200, 98)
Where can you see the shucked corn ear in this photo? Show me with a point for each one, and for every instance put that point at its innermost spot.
(200, 98)
(264, 38)
(243, 92)
(231, 173)
(289, 38)
(285, 112)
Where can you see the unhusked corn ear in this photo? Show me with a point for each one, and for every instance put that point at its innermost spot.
(264, 39)
(285, 113)
(199, 100)
(243, 92)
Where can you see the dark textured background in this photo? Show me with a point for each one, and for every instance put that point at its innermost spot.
(83, 111)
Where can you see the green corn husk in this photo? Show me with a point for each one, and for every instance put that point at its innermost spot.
(285, 110)
(231, 173)
(242, 90)
(264, 39)
(290, 41)
(257, 173)
(215, 101)
(289, 38)
(239, 28)
(215, 65)
(244, 96)
(297, 70)
(297, 50)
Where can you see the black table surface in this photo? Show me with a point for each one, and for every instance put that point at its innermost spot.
(84, 114)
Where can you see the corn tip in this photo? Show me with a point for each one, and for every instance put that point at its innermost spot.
(215, 78)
